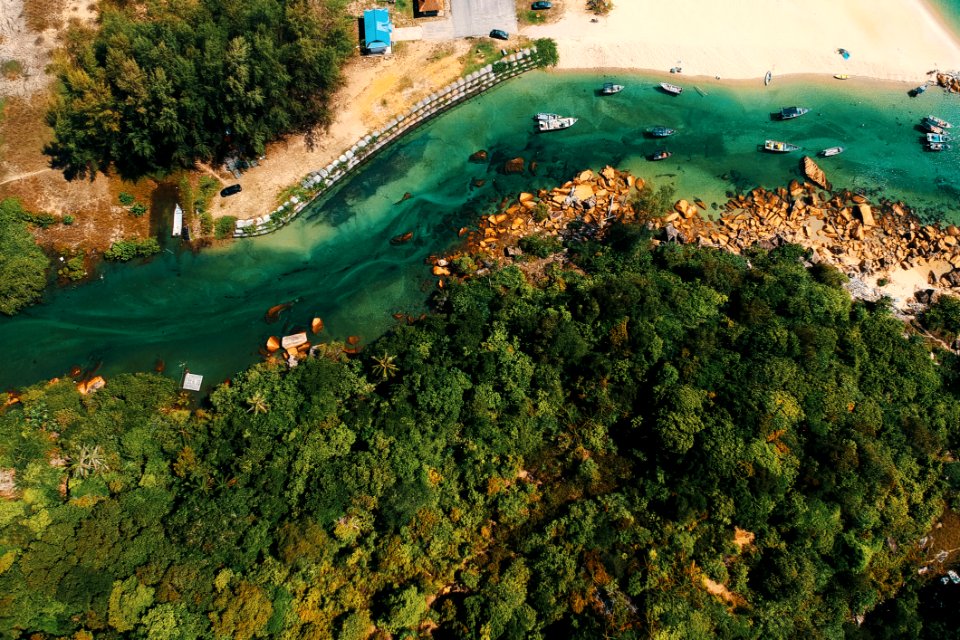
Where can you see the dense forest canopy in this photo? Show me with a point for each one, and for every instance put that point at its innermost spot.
(668, 443)
(164, 83)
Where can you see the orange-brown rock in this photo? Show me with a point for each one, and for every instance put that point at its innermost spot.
(866, 216)
(815, 174)
(479, 156)
(316, 325)
(273, 343)
(513, 166)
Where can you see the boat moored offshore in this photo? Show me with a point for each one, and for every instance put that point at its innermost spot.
(940, 122)
(610, 88)
(661, 131)
(775, 146)
(789, 113)
(556, 124)
(672, 89)
(831, 151)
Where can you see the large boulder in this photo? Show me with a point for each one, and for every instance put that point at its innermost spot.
(513, 166)
(815, 174)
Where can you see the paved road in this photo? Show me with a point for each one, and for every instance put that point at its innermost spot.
(473, 18)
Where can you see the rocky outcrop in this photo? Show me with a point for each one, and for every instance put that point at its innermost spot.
(815, 174)
(479, 156)
(513, 166)
(949, 81)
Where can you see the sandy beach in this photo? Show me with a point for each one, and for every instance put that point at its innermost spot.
(897, 40)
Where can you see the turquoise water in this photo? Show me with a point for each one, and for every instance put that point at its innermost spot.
(207, 309)
(950, 10)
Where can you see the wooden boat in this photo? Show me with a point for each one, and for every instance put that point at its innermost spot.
(789, 113)
(841, 76)
(556, 124)
(940, 122)
(610, 88)
(775, 146)
(767, 78)
(660, 154)
(661, 131)
(672, 89)
(831, 151)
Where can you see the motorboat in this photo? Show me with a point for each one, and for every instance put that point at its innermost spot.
(831, 151)
(841, 76)
(935, 146)
(540, 117)
(661, 132)
(767, 78)
(937, 137)
(555, 124)
(672, 89)
(789, 113)
(775, 146)
(610, 88)
(940, 122)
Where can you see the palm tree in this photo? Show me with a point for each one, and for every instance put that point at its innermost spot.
(89, 460)
(384, 365)
(258, 404)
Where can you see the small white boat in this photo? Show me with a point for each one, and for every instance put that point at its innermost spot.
(610, 88)
(937, 137)
(841, 76)
(672, 89)
(935, 146)
(767, 78)
(540, 117)
(556, 124)
(832, 151)
(661, 131)
(940, 122)
(775, 146)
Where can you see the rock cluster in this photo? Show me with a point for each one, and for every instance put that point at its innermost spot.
(843, 228)
(949, 81)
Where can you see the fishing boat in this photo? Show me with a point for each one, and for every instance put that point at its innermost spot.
(832, 151)
(841, 76)
(540, 117)
(789, 113)
(767, 78)
(935, 146)
(913, 93)
(932, 128)
(672, 89)
(610, 88)
(775, 146)
(940, 122)
(660, 154)
(556, 124)
(937, 137)
(661, 132)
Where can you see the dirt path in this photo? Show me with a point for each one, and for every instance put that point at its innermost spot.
(23, 176)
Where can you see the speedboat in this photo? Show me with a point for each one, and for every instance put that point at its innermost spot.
(660, 154)
(935, 146)
(672, 89)
(832, 151)
(556, 124)
(940, 122)
(775, 146)
(661, 132)
(937, 137)
(789, 113)
(610, 88)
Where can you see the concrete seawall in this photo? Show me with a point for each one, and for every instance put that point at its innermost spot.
(319, 182)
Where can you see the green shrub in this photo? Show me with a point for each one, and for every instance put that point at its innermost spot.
(541, 211)
(943, 316)
(540, 246)
(206, 189)
(547, 55)
(126, 199)
(23, 266)
(74, 268)
(11, 69)
(206, 223)
(125, 250)
(138, 209)
(225, 227)
(67, 220)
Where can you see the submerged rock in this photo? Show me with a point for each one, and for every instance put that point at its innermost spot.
(479, 156)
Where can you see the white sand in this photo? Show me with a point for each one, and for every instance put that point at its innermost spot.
(741, 39)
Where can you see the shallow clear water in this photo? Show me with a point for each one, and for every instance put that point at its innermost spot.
(207, 309)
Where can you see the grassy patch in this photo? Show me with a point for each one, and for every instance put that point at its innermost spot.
(11, 69)
(482, 53)
(43, 14)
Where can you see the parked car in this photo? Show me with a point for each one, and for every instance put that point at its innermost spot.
(499, 34)
(540, 5)
(229, 191)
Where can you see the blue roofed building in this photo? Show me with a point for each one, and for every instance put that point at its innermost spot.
(376, 31)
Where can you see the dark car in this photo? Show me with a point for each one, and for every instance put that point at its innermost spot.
(540, 4)
(499, 34)
(229, 191)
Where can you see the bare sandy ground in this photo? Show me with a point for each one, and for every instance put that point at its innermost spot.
(740, 39)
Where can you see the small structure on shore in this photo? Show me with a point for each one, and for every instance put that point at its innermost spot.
(191, 381)
(376, 31)
(428, 8)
